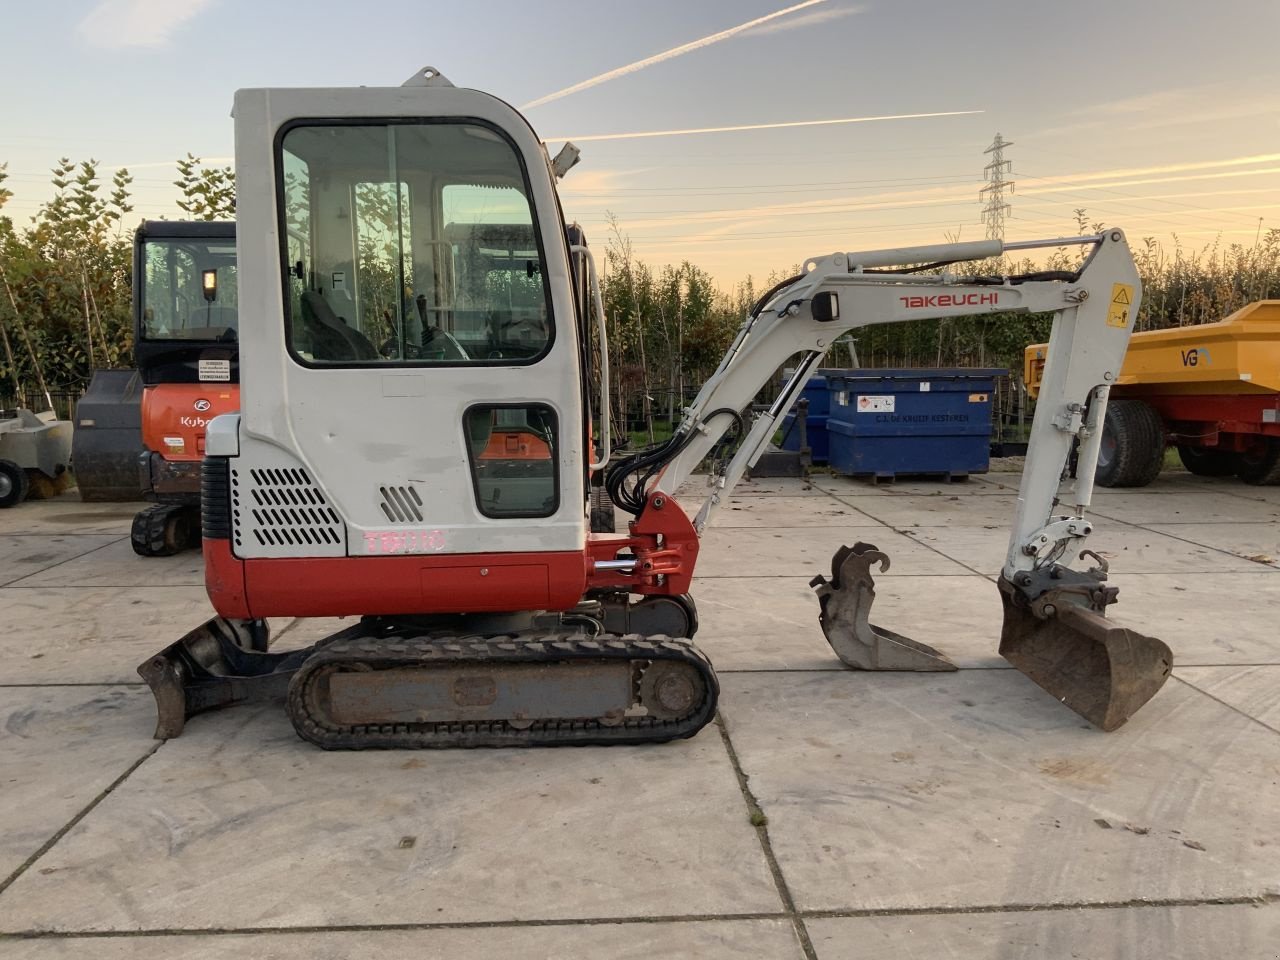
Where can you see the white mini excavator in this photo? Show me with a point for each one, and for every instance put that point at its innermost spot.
(414, 449)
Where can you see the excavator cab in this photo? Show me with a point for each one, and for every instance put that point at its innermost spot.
(186, 324)
(140, 434)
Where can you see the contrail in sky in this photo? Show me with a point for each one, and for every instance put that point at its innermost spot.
(1165, 168)
(668, 54)
(763, 126)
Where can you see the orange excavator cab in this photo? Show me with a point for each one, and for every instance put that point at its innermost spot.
(140, 434)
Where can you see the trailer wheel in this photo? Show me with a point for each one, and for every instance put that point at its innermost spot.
(13, 484)
(1260, 464)
(1207, 462)
(1132, 449)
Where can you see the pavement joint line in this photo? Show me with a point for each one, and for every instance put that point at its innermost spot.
(54, 566)
(76, 683)
(849, 670)
(1262, 571)
(806, 578)
(1272, 663)
(1194, 543)
(1260, 900)
(70, 824)
(760, 823)
(788, 576)
(902, 531)
(95, 586)
(1188, 523)
(1218, 488)
(69, 533)
(1219, 700)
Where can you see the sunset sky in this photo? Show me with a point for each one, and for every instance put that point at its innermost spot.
(1162, 118)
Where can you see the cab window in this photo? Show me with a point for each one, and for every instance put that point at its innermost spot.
(189, 290)
(410, 243)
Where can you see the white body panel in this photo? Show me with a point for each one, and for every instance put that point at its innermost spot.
(358, 430)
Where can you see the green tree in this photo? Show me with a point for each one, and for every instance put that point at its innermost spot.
(208, 193)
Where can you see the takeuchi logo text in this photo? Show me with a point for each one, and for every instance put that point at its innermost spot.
(951, 300)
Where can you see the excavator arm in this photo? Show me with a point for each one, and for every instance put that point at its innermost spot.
(1054, 629)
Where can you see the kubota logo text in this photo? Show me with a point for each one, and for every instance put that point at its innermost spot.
(950, 300)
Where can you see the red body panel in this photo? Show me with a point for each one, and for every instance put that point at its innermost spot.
(1225, 421)
(172, 410)
(663, 542)
(356, 586)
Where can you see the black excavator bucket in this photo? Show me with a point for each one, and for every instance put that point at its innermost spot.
(107, 439)
(845, 617)
(1063, 642)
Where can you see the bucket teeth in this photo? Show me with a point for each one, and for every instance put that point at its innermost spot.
(846, 609)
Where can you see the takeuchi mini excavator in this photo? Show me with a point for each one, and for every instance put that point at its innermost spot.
(385, 343)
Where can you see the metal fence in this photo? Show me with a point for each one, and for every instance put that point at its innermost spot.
(64, 402)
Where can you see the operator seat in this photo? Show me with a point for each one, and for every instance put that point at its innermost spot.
(331, 338)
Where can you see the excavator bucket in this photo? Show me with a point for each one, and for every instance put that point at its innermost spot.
(1062, 641)
(1054, 631)
(107, 439)
(845, 617)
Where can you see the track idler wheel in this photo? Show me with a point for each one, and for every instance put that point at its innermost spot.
(1062, 641)
(845, 617)
(671, 690)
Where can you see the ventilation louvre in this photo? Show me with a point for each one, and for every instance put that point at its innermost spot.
(401, 504)
(281, 507)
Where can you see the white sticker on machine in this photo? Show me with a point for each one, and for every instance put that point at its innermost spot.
(216, 370)
(875, 404)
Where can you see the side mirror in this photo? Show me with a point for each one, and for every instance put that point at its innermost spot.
(209, 284)
(825, 307)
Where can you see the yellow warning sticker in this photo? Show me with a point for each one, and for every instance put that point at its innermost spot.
(978, 398)
(1121, 306)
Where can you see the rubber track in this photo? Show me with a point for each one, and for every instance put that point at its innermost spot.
(390, 652)
(147, 532)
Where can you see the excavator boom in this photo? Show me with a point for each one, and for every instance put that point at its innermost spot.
(1054, 629)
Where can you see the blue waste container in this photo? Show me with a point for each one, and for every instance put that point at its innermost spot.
(889, 423)
(815, 391)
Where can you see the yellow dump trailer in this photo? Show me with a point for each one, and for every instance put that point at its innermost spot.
(1213, 390)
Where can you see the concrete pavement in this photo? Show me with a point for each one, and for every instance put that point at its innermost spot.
(827, 814)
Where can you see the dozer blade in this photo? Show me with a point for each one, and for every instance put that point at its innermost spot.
(845, 617)
(215, 665)
(1062, 641)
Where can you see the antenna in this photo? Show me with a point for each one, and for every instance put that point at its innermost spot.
(996, 209)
